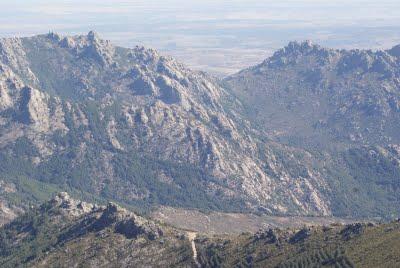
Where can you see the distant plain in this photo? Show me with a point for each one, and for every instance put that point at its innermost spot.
(218, 36)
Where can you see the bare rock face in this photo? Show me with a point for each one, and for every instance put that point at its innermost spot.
(100, 50)
(143, 85)
(67, 42)
(71, 207)
(112, 216)
(7, 212)
(33, 108)
(5, 98)
(168, 90)
(9, 87)
(135, 226)
(28, 112)
(12, 53)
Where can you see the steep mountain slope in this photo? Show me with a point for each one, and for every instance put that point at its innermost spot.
(112, 121)
(106, 122)
(354, 245)
(103, 122)
(65, 232)
(308, 95)
(343, 107)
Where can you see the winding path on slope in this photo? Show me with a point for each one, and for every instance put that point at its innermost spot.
(192, 237)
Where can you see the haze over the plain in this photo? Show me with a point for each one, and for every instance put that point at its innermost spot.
(219, 36)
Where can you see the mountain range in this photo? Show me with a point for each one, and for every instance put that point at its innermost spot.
(310, 131)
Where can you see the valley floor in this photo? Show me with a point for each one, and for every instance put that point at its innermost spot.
(235, 223)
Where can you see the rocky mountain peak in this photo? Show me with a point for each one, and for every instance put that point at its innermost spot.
(296, 48)
(294, 51)
(145, 55)
(93, 36)
(126, 223)
(111, 216)
(313, 58)
(69, 206)
(115, 212)
(380, 62)
(100, 50)
(90, 46)
(54, 36)
(302, 47)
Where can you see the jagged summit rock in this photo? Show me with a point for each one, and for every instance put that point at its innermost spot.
(54, 36)
(302, 47)
(112, 216)
(292, 53)
(93, 36)
(60, 197)
(383, 62)
(70, 206)
(64, 201)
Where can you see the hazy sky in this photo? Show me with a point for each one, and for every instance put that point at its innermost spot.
(219, 35)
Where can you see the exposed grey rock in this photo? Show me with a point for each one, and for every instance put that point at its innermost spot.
(67, 42)
(90, 96)
(54, 37)
(134, 227)
(169, 93)
(143, 86)
(352, 230)
(270, 236)
(69, 206)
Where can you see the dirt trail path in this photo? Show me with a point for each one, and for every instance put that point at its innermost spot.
(192, 237)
